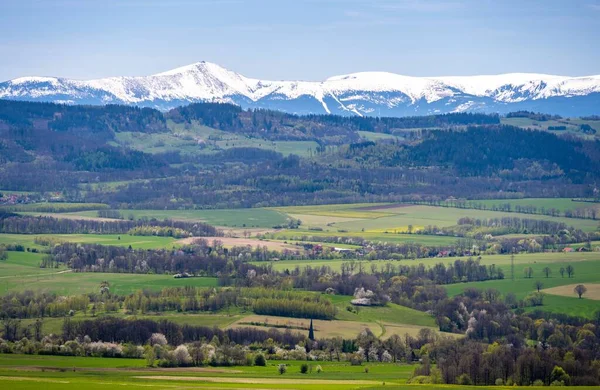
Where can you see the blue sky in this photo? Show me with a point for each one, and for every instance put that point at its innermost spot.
(299, 39)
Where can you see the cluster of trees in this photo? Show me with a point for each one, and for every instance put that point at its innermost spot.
(139, 331)
(161, 231)
(25, 224)
(100, 258)
(30, 304)
(537, 116)
(260, 300)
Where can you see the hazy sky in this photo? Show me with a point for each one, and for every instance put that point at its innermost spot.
(299, 39)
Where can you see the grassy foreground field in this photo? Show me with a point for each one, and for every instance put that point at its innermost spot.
(55, 372)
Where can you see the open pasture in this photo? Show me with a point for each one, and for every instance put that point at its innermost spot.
(568, 290)
(323, 328)
(136, 242)
(18, 277)
(586, 272)
(240, 218)
(400, 218)
(61, 372)
(23, 264)
(201, 140)
(521, 260)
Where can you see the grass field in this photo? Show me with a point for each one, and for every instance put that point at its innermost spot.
(198, 139)
(572, 125)
(561, 204)
(58, 372)
(503, 261)
(136, 242)
(262, 218)
(374, 222)
(382, 321)
(593, 291)
(586, 264)
(23, 275)
(23, 264)
(390, 218)
(371, 136)
(586, 272)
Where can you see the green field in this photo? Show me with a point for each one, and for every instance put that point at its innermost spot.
(392, 218)
(17, 277)
(23, 264)
(260, 218)
(586, 271)
(373, 222)
(391, 313)
(561, 204)
(197, 140)
(371, 136)
(136, 242)
(521, 260)
(62, 372)
(572, 125)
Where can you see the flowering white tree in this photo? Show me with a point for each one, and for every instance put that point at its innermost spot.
(182, 355)
(157, 339)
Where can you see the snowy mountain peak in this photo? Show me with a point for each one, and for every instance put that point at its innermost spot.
(363, 93)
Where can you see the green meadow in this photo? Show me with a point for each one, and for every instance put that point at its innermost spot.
(63, 372)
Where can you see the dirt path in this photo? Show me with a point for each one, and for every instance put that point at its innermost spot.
(235, 241)
(34, 275)
(126, 369)
(261, 380)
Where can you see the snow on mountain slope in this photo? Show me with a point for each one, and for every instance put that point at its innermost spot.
(357, 93)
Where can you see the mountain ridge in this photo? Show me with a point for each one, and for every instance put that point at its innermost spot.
(362, 93)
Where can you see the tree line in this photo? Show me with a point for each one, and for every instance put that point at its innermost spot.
(25, 224)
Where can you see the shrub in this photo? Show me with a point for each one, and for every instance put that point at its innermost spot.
(304, 368)
(557, 383)
(355, 359)
(282, 368)
(259, 360)
(319, 369)
(464, 380)
(538, 382)
(366, 370)
(419, 380)
(499, 382)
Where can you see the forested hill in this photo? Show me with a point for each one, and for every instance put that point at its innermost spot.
(493, 150)
(218, 155)
(279, 125)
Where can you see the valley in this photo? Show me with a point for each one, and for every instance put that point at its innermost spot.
(357, 245)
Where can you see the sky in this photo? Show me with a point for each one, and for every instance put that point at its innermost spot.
(299, 39)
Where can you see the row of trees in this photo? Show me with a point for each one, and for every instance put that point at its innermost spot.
(24, 224)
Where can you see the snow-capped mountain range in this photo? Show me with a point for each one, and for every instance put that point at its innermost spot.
(365, 93)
